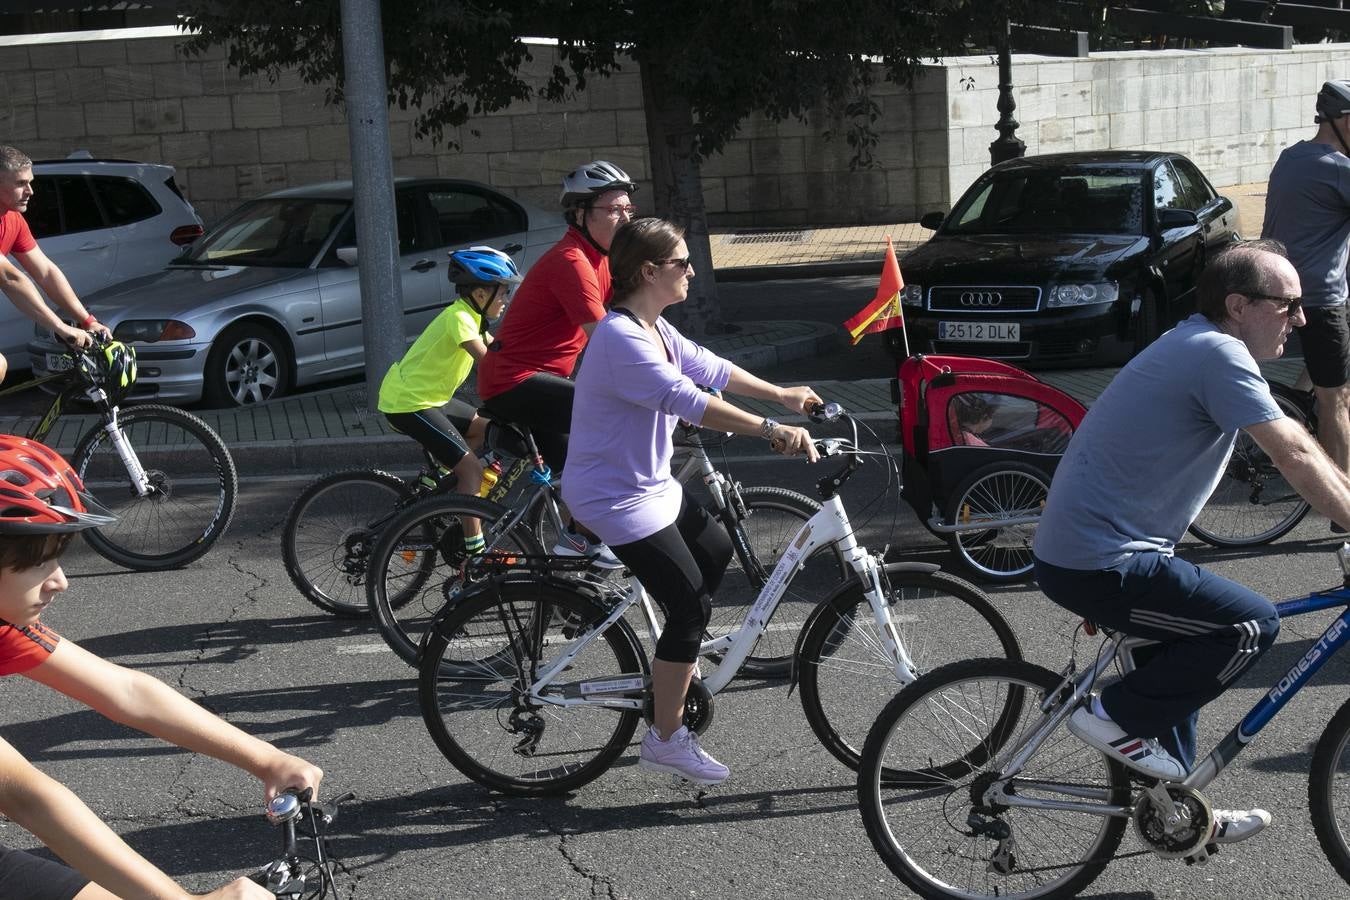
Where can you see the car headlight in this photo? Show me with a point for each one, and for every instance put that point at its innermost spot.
(151, 330)
(1062, 295)
(911, 295)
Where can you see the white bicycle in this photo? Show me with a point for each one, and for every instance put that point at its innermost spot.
(532, 680)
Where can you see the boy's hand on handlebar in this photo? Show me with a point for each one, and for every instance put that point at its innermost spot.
(240, 889)
(792, 441)
(286, 772)
(799, 400)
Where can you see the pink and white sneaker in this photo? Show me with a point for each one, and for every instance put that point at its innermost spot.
(681, 756)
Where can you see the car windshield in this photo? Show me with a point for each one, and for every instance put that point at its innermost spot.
(1072, 201)
(282, 232)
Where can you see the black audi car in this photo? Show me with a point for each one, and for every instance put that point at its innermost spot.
(1064, 259)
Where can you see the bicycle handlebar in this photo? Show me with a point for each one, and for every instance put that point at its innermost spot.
(294, 874)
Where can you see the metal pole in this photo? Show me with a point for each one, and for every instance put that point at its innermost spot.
(1007, 145)
(373, 182)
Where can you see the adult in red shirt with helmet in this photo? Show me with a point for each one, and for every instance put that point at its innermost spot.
(16, 189)
(526, 374)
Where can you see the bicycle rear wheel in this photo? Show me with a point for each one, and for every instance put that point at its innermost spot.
(931, 825)
(1329, 791)
(1253, 503)
(773, 518)
(417, 565)
(846, 674)
(193, 486)
(479, 715)
(329, 531)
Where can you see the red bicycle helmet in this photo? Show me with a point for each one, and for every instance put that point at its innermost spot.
(41, 494)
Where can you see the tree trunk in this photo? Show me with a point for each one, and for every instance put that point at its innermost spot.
(678, 187)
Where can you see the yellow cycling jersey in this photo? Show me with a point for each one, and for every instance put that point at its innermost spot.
(435, 365)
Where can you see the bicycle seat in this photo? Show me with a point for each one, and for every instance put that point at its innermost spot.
(503, 435)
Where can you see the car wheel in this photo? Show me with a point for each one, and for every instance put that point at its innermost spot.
(1148, 321)
(248, 363)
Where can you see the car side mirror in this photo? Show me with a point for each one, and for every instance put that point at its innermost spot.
(347, 255)
(932, 221)
(1176, 218)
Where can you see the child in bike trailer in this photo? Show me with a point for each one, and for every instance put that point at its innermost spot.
(1136, 473)
(640, 376)
(417, 394)
(42, 505)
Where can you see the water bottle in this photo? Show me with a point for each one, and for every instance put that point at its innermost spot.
(490, 475)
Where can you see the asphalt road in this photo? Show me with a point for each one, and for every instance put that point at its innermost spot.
(232, 633)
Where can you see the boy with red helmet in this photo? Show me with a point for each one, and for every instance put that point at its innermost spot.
(42, 504)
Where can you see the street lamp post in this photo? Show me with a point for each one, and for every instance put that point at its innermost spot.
(1007, 145)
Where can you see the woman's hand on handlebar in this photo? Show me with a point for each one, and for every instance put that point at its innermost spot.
(790, 440)
(73, 337)
(799, 400)
(240, 889)
(290, 773)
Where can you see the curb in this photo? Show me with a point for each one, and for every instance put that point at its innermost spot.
(799, 270)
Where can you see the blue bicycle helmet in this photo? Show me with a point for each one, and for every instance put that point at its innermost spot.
(482, 265)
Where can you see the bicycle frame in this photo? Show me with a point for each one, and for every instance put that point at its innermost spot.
(1058, 706)
(830, 525)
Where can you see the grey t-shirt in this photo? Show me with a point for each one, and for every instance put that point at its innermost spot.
(1152, 448)
(1308, 209)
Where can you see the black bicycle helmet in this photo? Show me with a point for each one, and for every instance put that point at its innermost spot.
(41, 494)
(116, 369)
(593, 179)
(1333, 101)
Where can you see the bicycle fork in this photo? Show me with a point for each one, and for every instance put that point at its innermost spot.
(140, 479)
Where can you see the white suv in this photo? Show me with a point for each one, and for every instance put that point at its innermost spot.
(102, 221)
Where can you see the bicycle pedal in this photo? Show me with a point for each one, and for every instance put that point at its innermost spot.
(1201, 856)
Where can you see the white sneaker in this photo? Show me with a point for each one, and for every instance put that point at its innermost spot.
(572, 544)
(682, 756)
(1233, 825)
(1141, 754)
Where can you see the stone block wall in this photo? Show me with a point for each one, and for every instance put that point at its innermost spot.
(133, 94)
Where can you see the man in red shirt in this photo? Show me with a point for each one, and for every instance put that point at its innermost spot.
(526, 374)
(16, 189)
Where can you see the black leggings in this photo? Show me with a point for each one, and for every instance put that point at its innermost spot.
(35, 878)
(440, 431)
(543, 403)
(681, 566)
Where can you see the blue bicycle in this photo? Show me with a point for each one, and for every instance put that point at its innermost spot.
(970, 787)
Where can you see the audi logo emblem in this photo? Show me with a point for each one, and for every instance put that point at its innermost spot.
(981, 298)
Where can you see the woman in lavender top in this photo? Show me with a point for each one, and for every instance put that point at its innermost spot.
(638, 377)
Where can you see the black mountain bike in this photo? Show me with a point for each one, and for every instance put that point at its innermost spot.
(165, 474)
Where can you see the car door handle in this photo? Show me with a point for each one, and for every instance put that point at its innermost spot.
(92, 246)
(424, 265)
(513, 248)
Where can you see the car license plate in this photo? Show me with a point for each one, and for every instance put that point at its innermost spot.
(979, 331)
(59, 362)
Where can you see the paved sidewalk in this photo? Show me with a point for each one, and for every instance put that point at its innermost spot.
(333, 429)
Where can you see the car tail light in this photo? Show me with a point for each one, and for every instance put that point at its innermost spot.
(185, 234)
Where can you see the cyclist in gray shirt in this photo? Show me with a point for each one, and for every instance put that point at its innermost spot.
(1308, 210)
(1137, 471)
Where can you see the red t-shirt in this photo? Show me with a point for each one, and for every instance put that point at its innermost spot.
(541, 332)
(25, 648)
(14, 234)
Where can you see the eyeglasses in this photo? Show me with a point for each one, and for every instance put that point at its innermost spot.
(1290, 306)
(682, 264)
(619, 209)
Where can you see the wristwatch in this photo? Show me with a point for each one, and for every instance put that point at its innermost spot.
(767, 428)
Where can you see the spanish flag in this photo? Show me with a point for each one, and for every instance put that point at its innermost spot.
(884, 311)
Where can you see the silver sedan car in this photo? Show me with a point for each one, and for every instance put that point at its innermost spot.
(269, 300)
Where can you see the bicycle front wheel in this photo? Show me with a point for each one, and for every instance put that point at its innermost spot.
(1253, 503)
(1329, 791)
(945, 736)
(193, 487)
(329, 531)
(773, 517)
(847, 675)
(479, 713)
(417, 565)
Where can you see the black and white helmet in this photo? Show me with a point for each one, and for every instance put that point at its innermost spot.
(1333, 101)
(592, 179)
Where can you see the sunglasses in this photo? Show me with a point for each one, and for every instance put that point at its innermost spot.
(1290, 306)
(681, 264)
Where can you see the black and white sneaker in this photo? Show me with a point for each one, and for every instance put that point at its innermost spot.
(1233, 825)
(1141, 754)
(572, 544)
